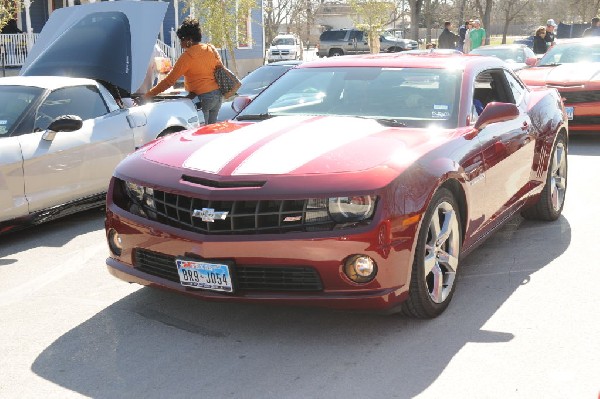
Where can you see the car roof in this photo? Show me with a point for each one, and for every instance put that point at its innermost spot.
(45, 82)
(418, 60)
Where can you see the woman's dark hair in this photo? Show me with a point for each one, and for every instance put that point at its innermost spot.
(190, 30)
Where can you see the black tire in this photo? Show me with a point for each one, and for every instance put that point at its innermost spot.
(426, 298)
(552, 199)
(336, 52)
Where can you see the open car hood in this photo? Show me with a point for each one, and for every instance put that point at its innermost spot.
(110, 41)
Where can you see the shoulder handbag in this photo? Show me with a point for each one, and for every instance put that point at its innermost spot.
(227, 81)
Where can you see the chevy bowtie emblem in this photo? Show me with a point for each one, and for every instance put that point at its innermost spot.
(209, 214)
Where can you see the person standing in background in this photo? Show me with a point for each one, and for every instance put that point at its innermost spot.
(464, 43)
(539, 42)
(447, 38)
(477, 35)
(550, 36)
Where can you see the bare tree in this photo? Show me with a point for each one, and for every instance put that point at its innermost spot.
(416, 7)
(511, 10)
(225, 22)
(275, 13)
(484, 7)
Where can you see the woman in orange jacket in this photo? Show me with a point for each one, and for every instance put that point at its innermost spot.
(197, 65)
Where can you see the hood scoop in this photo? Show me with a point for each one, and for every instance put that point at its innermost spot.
(222, 184)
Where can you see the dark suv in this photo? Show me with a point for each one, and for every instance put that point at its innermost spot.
(353, 41)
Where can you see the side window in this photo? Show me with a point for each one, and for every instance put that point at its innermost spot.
(83, 101)
(356, 34)
(516, 87)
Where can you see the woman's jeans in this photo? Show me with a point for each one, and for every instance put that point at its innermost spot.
(210, 103)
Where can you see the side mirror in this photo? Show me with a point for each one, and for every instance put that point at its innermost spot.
(531, 61)
(64, 123)
(239, 103)
(496, 112)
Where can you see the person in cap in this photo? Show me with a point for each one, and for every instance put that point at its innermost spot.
(477, 35)
(550, 27)
(593, 30)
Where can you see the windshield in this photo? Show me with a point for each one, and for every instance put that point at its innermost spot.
(569, 53)
(257, 80)
(14, 102)
(408, 96)
(506, 54)
(283, 41)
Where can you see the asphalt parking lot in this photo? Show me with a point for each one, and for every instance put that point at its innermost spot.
(524, 323)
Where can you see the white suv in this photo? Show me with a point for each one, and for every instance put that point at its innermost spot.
(285, 47)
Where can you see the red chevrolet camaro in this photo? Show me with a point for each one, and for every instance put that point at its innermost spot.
(355, 182)
(572, 66)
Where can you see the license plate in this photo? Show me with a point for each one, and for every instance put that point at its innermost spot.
(208, 276)
(569, 111)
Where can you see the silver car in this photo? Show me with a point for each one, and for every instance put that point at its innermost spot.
(62, 136)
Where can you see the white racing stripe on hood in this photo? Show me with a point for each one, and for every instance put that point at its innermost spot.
(216, 154)
(305, 143)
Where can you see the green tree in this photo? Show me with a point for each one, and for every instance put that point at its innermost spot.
(8, 11)
(225, 22)
(372, 16)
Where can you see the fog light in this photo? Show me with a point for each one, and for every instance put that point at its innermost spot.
(114, 242)
(360, 268)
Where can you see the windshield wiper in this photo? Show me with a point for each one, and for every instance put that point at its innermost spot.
(391, 122)
(550, 65)
(254, 117)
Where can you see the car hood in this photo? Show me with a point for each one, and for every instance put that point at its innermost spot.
(561, 75)
(293, 145)
(109, 41)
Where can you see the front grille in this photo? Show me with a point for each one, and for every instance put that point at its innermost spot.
(243, 217)
(574, 97)
(585, 120)
(247, 278)
(280, 52)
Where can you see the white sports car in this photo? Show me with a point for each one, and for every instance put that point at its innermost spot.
(63, 123)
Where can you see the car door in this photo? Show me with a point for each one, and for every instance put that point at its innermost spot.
(357, 43)
(507, 149)
(66, 166)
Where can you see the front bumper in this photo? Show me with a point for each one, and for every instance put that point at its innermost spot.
(325, 255)
(586, 116)
(286, 57)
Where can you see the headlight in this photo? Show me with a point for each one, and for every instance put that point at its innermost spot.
(142, 199)
(351, 209)
(135, 191)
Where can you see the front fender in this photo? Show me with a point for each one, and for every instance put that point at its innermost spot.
(173, 113)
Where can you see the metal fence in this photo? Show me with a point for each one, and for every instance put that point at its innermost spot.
(15, 46)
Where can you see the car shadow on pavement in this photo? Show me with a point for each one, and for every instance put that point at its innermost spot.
(51, 234)
(154, 343)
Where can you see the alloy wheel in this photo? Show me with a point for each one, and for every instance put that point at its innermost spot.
(558, 176)
(441, 252)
